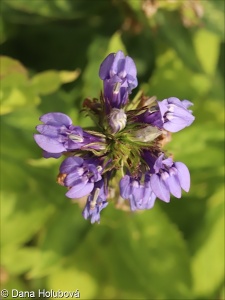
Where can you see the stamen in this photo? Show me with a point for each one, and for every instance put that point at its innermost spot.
(95, 197)
(116, 88)
(76, 138)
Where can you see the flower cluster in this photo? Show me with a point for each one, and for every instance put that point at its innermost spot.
(126, 146)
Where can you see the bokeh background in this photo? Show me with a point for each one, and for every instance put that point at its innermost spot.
(51, 51)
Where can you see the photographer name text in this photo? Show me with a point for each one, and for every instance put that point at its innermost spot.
(14, 293)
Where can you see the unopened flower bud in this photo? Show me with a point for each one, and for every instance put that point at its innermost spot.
(117, 119)
(146, 134)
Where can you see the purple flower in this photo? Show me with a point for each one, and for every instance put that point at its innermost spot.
(175, 114)
(171, 114)
(139, 194)
(169, 177)
(130, 139)
(119, 75)
(79, 175)
(153, 118)
(96, 202)
(58, 135)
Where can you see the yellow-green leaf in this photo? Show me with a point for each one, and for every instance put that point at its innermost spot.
(207, 46)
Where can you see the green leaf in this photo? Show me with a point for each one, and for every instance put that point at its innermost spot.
(68, 76)
(16, 99)
(19, 92)
(10, 66)
(47, 262)
(222, 293)
(207, 45)
(135, 5)
(54, 8)
(62, 227)
(136, 250)
(72, 279)
(19, 260)
(116, 44)
(15, 87)
(176, 79)
(21, 218)
(209, 257)
(3, 36)
(62, 233)
(49, 81)
(213, 17)
(25, 119)
(24, 208)
(12, 282)
(180, 39)
(96, 54)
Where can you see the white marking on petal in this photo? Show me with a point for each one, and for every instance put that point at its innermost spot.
(95, 197)
(76, 138)
(116, 88)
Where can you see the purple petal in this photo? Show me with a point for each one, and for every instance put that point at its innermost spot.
(118, 63)
(163, 106)
(75, 178)
(80, 190)
(186, 103)
(174, 186)
(150, 160)
(183, 175)
(178, 110)
(184, 120)
(174, 100)
(132, 82)
(49, 130)
(106, 66)
(49, 144)
(158, 163)
(56, 119)
(138, 192)
(51, 155)
(168, 162)
(70, 163)
(172, 127)
(159, 188)
(151, 201)
(130, 66)
(181, 113)
(132, 202)
(125, 189)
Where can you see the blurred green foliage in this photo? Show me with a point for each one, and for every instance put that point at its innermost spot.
(51, 52)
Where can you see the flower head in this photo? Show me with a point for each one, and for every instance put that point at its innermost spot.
(128, 138)
(175, 114)
(96, 202)
(118, 73)
(169, 177)
(58, 135)
(139, 194)
(79, 175)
